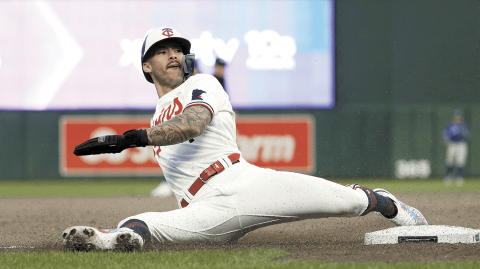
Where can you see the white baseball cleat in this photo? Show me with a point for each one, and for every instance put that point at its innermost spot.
(407, 215)
(162, 191)
(83, 238)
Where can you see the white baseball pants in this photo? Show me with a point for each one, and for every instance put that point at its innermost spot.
(245, 197)
(456, 154)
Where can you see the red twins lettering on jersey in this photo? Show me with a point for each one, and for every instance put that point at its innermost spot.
(156, 151)
(167, 113)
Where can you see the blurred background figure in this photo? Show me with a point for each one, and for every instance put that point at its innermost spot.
(219, 75)
(219, 71)
(455, 137)
(162, 191)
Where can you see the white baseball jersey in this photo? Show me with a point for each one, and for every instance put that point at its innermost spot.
(182, 163)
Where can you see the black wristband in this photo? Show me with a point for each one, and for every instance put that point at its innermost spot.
(136, 138)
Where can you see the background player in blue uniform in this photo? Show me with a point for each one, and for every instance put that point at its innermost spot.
(455, 137)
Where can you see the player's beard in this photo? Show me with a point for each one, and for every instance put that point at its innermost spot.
(169, 79)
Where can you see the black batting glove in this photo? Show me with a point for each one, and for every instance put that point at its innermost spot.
(136, 138)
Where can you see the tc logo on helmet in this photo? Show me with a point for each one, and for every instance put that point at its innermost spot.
(167, 32)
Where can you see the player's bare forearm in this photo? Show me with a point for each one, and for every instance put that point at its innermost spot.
(191, 123)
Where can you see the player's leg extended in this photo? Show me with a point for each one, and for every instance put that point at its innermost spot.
(211, 219)
(292, 195)
(287, 195)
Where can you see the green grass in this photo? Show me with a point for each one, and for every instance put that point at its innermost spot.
(69, 188)
(231, 259)
(100, 187)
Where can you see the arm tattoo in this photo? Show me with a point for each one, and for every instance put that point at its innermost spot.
(191, 123)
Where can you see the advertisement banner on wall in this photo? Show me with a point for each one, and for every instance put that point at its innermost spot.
(283, 143)
(278, 142)
(75, 130)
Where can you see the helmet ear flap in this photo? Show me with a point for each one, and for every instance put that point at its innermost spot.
(189, 63)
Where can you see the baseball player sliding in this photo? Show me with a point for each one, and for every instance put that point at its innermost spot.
(221, 197)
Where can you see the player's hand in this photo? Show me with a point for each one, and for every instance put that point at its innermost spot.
(112, 143)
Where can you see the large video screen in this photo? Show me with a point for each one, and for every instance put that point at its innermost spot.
(57, 55)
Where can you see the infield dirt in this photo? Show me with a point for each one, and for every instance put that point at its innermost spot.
(39, 222)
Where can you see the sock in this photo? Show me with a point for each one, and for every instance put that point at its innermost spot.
(140, 228)
(460, 172)
(378, 203)
(449, 171)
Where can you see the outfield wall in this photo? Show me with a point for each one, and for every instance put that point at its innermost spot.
(402, 67)
(354, 142)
